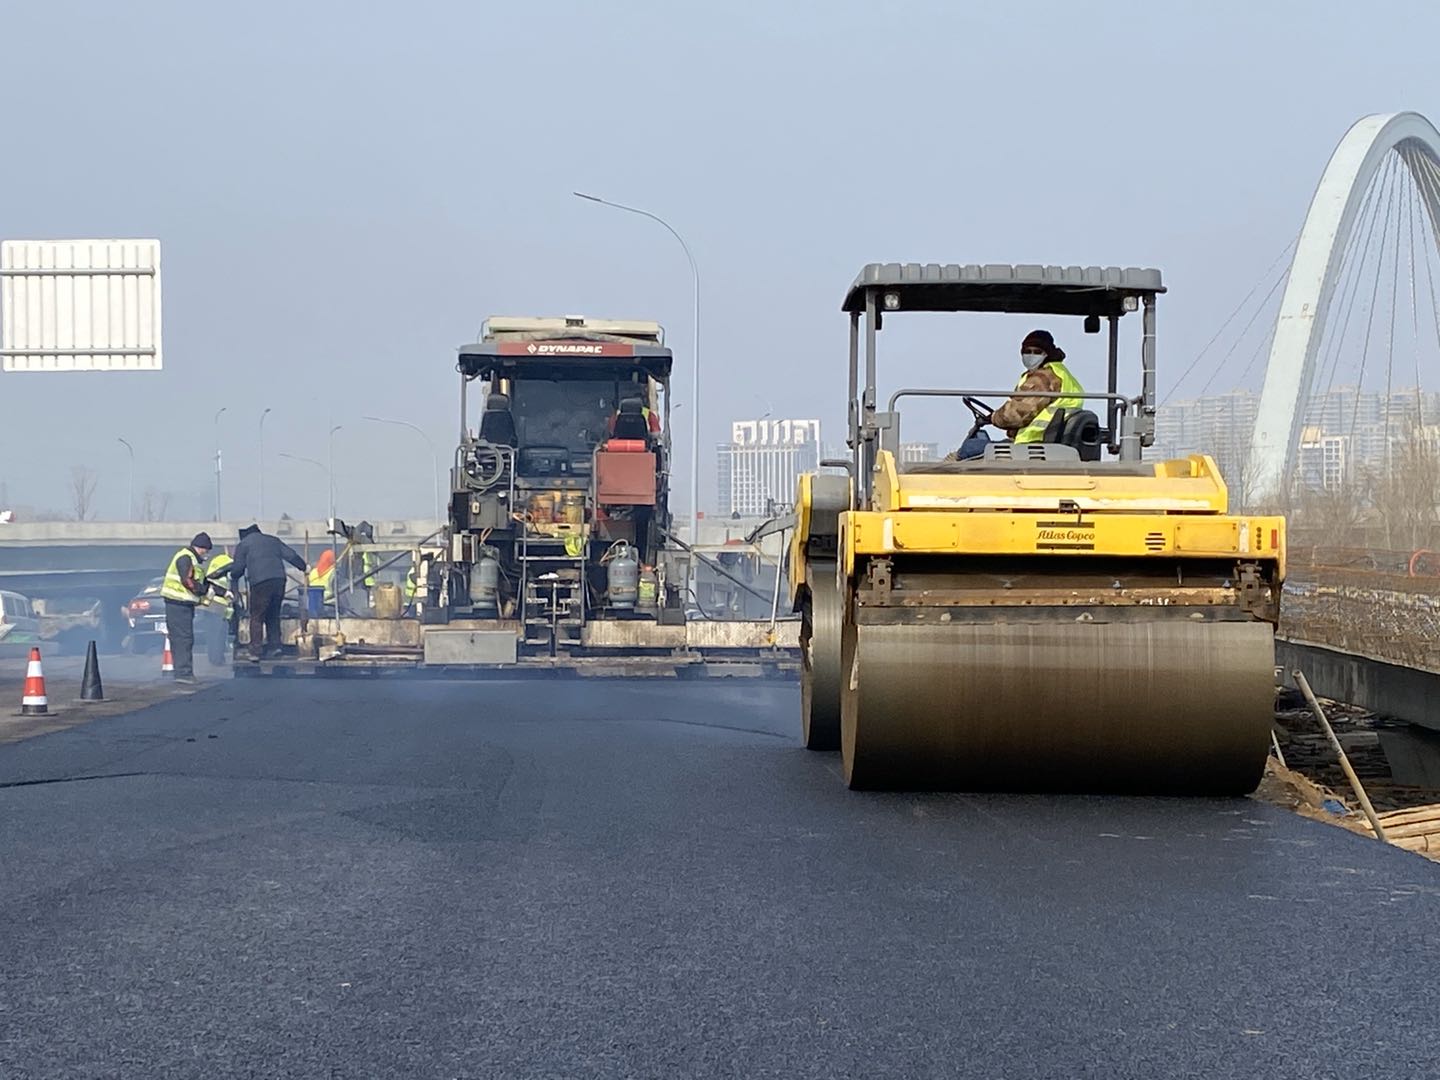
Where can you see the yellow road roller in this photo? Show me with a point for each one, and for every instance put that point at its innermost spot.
(1058, 614)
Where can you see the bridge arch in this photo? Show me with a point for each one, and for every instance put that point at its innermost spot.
(1314, 273)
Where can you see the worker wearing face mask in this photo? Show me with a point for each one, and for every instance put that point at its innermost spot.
(1024, 418)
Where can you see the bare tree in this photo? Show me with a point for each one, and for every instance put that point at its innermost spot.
(154, 505)
(1332, 516)
(1406, 495)
(82, 492)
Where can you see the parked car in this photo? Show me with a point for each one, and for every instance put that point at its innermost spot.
(145, 615)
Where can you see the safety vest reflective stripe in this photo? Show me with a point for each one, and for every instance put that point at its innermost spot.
(1069, 386)
(174, 587)
(367, 568)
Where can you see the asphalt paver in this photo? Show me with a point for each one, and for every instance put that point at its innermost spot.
(377, 878)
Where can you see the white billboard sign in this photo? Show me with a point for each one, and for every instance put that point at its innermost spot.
(80, 305)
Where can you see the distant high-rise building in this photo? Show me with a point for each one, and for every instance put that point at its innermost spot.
(1345, 433)
(760, 467)
(911, 452)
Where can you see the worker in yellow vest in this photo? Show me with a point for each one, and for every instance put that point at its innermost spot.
(322, 574)
(368, 563)
(1025, 418)
(219, 597)
(183, 589)
(218, 608)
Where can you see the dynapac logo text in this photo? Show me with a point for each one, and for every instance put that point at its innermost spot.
(553, 348)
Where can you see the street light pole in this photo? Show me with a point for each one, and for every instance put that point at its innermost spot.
(261, 515)
(218, 511)
(434, 457)
(331, 469)
(130, 498)
(694, 358)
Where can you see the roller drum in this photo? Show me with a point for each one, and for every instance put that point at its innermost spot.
(1172, 705)
(820, 660)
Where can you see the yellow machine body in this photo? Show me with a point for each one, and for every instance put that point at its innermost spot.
(1179, 509)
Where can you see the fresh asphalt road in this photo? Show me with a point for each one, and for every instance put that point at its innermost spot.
(571, 879)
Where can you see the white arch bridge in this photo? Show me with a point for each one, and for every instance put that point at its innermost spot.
(1364, 186)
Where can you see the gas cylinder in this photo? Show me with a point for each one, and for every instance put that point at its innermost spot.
(623, 576)
(485, 580)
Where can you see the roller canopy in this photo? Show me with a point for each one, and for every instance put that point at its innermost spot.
(1021, 288)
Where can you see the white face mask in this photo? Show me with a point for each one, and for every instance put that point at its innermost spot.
(1032, 360)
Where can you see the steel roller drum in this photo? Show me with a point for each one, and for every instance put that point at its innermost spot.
(820, 660)
(1167, 706)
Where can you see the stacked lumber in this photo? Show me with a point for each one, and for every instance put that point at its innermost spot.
(1415, 829)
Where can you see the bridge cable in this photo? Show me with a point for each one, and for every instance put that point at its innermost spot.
(1265, 276)
(1431, 172)
(1370, 319)
(1245, 330)
(1350, 277)
(1263, 347)
(1349, 282)
(1414, 310)
(1404, 181)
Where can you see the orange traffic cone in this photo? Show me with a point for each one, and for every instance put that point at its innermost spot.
(167, 662)
(34, 702)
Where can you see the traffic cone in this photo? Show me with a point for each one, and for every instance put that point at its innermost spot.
(91, 688)
(167, 662)
(34, 702)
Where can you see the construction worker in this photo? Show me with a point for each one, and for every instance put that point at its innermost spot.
(217, 576)
(183, 589)
(1025, 418)
(412, 582)
(368, 562)
(260, 558)
(218, 605)
(322, 574)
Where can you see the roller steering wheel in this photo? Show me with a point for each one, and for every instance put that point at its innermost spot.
(981, 411)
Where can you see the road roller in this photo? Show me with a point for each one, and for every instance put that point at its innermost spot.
(1055, 615)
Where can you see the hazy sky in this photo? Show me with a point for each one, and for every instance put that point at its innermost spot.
(344, 191)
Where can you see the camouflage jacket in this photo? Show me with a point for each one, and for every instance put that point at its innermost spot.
(1019, 410)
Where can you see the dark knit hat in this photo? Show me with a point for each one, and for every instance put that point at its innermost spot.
(201, 540)
(1041, 339)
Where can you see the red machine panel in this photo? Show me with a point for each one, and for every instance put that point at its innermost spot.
(624, 478)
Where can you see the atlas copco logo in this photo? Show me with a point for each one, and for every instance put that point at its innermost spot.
(554, 348)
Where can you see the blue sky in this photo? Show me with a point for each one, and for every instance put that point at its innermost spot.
(344, 191)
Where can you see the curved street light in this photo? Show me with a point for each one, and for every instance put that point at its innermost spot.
(694, 357)
(434, 457)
